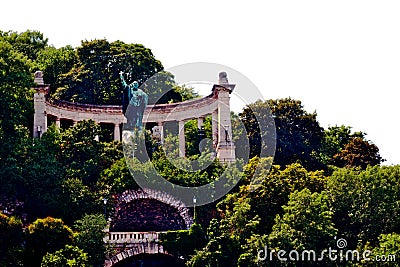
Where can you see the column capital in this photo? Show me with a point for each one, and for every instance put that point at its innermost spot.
(223, 84)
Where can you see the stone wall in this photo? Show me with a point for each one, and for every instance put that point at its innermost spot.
(149, 210)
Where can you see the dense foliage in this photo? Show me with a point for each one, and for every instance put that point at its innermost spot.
(183, 243)
(359, 206)
(300, 138)
(324, 184)
(11, 241)
(69, 256)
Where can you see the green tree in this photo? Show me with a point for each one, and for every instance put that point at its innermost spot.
(220, 251)
(183, 243)
(90, 237)
(46, 236)
(185, 92)
(15, 114)
(117, 178)
(306, 224)
(389, 246)
(162, 89)
(240, 139)
(83, 160)
(192, 136)
(83, 157)
(15, 83)
(298, 133)
(13, 153)
(42, 174)
(366, 203)
(182, 172)
(358, 153)
(275, 187)
(259, 124)
(94, 79)
(247, 216)
(335, 139)
(11, 241)
(77, 199)
(29, 43)
(69, 256)
(55, 62)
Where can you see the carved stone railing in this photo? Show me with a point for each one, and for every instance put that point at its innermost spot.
(83, 107)
(131, 237)
(200, 102)
(113, 113)
(129, 244)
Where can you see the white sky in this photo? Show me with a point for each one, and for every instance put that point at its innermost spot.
(340, 58)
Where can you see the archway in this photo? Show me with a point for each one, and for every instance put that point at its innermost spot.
(148, 210)
(140, 217)
(145, 215)
(150, 260)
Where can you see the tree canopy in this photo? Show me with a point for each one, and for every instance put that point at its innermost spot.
(70, 256)
(46, 236)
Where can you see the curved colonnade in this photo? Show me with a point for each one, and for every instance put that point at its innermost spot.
(217, 104)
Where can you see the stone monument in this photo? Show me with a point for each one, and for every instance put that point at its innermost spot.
(134, 104)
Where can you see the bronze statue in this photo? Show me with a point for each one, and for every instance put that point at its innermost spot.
(134, 103)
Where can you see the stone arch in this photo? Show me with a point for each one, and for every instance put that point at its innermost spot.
(142, 255)
(147, 210)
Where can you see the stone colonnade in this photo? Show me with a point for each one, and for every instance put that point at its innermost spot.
(217, 104)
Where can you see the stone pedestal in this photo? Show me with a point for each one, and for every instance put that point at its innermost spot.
(226, 153)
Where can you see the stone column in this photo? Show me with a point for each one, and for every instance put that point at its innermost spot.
(200, 122)
(214, 116)
(74, 123)
(224, 119)
(161, 129)
(181, 129)
(39, 104)
(158, 132)
(58, 122)
(117, 132)
(225, 146)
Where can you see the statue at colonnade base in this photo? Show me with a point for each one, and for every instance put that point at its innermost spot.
(134, 102)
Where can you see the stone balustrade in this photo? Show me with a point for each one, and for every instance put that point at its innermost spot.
(131, 237)
(133, 249)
